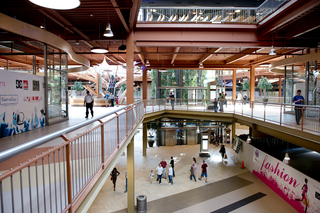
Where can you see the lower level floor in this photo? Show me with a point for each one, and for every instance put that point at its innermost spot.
(229, 188)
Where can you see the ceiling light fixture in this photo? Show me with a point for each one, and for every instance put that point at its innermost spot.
(286, 158)
(272, 51)
(108, 32)
(201, 65)
(264, 65)
(99, 49)
(147, 63)
(237, 11)
(57, 4)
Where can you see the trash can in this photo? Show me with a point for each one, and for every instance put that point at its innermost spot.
(141, 203)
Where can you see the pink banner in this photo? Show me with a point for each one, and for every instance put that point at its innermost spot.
(299, 190)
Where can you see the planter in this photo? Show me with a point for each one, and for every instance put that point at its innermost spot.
(150, 143)
(265, 99)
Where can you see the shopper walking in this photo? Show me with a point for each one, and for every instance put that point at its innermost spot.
(159, 170)
(114, 175)
(151, 176)
(298, 100)
(204, 171)
(171, 97)
(170, 173)
(172, 166)
(222, 99)
(192, 174)
(222, 151)
(88, 102)
(164, 166)
(194, 165)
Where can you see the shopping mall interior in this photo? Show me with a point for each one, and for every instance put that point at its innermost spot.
(170, 81)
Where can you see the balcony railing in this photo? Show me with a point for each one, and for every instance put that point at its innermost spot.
(208, 14)
(59, 179)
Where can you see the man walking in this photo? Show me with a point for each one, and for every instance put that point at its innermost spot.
(164, 166)
(172, 166)
(298, 100)
(88, 102)
(222, 99)
(159, 173)
(171, 97)
(204, 171)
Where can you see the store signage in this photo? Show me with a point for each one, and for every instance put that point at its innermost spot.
(32, 99)
(22, 84)
(7, 100)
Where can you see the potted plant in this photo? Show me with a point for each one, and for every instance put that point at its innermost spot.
(246, 86)
(265, 85)
(77, 86)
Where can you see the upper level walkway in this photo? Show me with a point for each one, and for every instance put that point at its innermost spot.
(75, 165)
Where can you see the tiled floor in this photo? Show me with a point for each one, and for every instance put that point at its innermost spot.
(227, 184)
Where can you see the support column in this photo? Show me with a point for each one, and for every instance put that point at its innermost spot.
(145, 139)
(233, 134)
(280, 88)
(252, 82)
(145, 85)
(130, 54)
(130, 176)
(234, 86)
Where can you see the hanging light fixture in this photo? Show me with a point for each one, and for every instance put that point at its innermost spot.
(147, 63)
(286, 158)
(57, 4)
(108, 32)
(201, 65)
(248, 139)
(272, 51)
(99, 49)
(163, 69)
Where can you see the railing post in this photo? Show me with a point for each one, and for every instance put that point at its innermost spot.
(159, 104)
(302, 119)
(187, 104)
(251, 104)
(118, 139)
(69, 180)
(280, 114)
(264, 112)
(126, 123)
(242, 107)
(132, 117)
(102, 143)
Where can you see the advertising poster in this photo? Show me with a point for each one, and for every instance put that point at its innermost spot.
(297, 189)
(21, 102)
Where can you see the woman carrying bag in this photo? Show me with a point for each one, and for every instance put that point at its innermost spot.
(223, 152)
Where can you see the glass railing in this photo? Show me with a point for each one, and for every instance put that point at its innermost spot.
(208, 14)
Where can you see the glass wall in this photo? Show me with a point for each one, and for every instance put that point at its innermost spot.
(57, 73)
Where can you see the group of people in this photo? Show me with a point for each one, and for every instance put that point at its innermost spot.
(221, 101)
(112, 99)
(162, 171)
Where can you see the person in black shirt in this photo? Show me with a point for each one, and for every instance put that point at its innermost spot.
(172, 166)
(171, 97)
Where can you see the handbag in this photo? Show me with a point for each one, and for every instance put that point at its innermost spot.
(225, 156)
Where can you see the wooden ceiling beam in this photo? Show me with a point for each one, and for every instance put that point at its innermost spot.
(123, 21)
(136, 4)
(141, 56)
(175, 55)
(207, 56)
(243, 54)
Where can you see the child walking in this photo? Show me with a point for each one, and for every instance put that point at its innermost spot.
(151, 176)
(192, 174)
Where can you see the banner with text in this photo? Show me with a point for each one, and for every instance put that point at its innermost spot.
(22, 102)
(297, 189)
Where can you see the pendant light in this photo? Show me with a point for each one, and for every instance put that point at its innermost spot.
(163, 69)
(201, 65)
(57, 4)
(99, 49)
(147, 63)
(272, 51)
(108, 32)
(286, 158)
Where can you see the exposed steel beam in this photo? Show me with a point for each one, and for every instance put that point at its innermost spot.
(175, 55)
(285, 14)
(123, 21)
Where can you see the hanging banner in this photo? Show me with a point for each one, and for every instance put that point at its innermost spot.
(297, 189)
(21, 102)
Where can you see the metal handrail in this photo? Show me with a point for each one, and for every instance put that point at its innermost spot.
(7, 154)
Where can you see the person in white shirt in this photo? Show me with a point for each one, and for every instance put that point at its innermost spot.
(239, 98)
(170, 173)
(88, 102)
(159, 173)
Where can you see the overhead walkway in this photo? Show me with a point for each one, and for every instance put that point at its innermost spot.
(78, 168)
